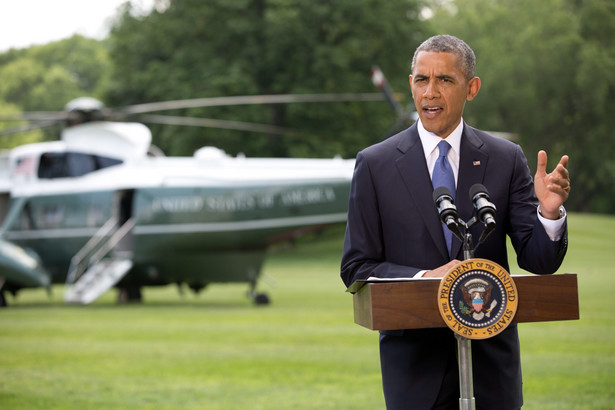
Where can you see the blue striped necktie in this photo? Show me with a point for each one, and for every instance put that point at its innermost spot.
(443, 176)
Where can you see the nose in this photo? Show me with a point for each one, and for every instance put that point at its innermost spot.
(431, 90)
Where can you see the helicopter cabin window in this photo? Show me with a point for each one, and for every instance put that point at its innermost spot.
(71, 164)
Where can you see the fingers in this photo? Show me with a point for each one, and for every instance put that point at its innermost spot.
(442, 270)
(560, 175)
(559, 180)
(552, 189)
(560, 187)
(564, 161)
(541, 164)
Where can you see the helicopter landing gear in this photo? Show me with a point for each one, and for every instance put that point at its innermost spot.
(3, 302)
(197, 287)
(256, 297)
(259, 298)
(130, 294)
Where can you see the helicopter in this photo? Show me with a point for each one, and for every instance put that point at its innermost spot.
(102, 207)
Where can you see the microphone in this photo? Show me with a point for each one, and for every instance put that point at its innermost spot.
(446, 209)
(485, 210)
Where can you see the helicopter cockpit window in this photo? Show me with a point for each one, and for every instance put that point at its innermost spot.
(104, 162)
(71, 164)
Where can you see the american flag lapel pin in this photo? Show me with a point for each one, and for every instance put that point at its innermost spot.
(476, 163)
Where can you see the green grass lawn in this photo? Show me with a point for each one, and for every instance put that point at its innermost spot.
(571, 365)
(218, 351)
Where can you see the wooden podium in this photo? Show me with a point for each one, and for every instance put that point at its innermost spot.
(412, 304)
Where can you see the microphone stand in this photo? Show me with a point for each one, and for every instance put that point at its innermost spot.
(464, 346)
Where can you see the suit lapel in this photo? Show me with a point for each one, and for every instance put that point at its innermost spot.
(472, 166)
(413, 169)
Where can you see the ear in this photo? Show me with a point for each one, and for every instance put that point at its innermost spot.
(473, 87)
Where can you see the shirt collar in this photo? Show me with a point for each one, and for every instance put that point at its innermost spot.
(430, 140)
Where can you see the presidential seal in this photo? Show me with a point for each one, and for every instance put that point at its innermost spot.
(477, 299)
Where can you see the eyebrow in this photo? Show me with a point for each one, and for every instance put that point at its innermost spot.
(439, 77)
(445, 77)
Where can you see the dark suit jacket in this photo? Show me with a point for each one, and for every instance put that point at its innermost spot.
(393, 230)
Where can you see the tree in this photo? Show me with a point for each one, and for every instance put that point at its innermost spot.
(17, 139)
(237, 47)
(45, 78)
(548, 74)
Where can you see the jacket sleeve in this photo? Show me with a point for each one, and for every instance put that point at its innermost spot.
(536, 252)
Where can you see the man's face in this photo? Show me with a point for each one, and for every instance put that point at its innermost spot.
(440, 90)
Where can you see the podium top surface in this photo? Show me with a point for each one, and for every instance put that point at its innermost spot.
(358, 284)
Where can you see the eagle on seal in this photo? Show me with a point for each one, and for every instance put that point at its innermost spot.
(477, 294)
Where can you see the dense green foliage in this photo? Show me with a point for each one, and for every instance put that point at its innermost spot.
(45, 78)
(217, 351)
(548, 73)
(238, 47)
(547, 69)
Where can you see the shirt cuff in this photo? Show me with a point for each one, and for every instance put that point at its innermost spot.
(419, 274)
(554, 228)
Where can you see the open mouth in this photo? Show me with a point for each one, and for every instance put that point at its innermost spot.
(432, 111)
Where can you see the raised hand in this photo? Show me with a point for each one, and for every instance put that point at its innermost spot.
(552, 189)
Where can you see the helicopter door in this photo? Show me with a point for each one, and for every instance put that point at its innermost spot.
(106, 258)
(124, 202)
(4, 206)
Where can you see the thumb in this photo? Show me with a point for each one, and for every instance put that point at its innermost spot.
(541, 164)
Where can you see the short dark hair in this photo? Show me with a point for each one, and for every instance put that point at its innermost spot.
(445, 43)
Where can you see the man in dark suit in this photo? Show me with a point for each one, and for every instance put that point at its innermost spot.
(393, 229)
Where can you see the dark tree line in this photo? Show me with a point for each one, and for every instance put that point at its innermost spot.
(548, 73)
(237, 47)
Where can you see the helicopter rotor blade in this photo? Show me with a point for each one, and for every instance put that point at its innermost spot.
(247, 100)
(28, 127)
(223, 124)
(44, 116)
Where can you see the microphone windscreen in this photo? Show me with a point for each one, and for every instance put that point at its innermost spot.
(438, 192)
(476, 188)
